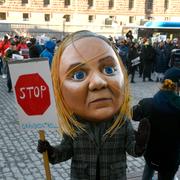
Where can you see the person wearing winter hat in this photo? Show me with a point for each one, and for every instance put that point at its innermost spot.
(174, 75)
(163, 111)
(48, 52)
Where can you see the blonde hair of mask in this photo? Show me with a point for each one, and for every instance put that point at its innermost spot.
(67, 121)
(168, 84)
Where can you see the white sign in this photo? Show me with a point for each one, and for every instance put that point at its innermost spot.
(17, 57)
(34, 94)
(135, 61)
(162, 38)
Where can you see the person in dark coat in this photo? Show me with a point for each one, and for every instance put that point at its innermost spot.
(92, 96)
(123, 51)
(133, 60)
(161, 61)
(34, 51)
(129, 35)
(147, 55)
(163, 111)
(168, 49)
(175, 58)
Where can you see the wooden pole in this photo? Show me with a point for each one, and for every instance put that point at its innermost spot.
(45, 156)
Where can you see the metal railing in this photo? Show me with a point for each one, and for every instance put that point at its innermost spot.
(62, 28)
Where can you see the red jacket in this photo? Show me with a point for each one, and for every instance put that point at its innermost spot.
(3, 46)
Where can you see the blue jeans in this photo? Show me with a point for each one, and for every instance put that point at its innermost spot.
(147, 173)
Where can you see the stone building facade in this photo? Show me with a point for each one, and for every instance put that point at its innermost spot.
(102, 16)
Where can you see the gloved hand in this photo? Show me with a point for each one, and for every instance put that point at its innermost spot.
(142, 136)
(45, 146)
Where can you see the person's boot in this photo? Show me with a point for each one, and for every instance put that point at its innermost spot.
(150, 80)
(9, 90)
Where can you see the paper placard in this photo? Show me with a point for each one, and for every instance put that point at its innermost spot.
(135, 61)
(17, 57)
(34, 94)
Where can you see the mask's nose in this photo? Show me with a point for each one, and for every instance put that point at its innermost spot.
(97, 82)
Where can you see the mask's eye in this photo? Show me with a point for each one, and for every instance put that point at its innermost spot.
(79, 75)
(109, 70)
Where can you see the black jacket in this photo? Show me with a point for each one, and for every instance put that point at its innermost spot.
(175, 58)
(163, 111)
(34, 52)
(87, 149)
(148, 54)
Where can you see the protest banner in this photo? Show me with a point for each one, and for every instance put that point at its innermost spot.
(34, 95)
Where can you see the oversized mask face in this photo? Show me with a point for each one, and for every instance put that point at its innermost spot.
(92, 80)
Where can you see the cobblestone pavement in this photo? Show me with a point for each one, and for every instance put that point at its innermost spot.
(19, 159)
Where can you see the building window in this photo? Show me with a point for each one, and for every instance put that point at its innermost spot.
(90, 18)
(2, 16)
(149, 4)
(111, 4)
(67, 2)
(108, 21)
(131, 4)
(166, 4)
(24, 2)
(131, 19)
(46, 2)
(47, 17)
(2, 2)
(166, 18)
(25, 17)
(66, 17)
(90, 3)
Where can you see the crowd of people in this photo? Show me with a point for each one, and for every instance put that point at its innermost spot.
(150, 59)
(25, 48)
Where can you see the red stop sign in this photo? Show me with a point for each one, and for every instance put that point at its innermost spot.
(32, 94)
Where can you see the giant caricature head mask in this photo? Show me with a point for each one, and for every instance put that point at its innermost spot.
(89, 80)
